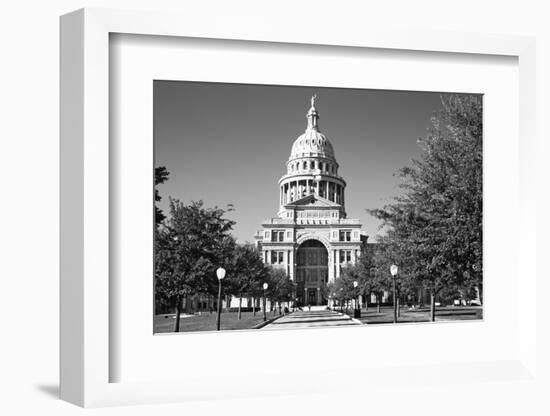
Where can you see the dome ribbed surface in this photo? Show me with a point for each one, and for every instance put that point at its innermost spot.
(312, 143)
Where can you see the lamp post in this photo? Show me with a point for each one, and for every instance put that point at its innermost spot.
(393, 271)
(357, 307)
(265, 288)
(221, 274)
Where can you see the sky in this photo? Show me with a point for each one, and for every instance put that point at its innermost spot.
(228, 143)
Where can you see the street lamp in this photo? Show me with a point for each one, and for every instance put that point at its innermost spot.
(393, 271)
(265, 288)
(221, 274)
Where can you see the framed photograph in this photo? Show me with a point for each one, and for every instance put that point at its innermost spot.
(274, 199)
(312, 264)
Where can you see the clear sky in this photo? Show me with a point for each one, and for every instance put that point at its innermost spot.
(228, 143)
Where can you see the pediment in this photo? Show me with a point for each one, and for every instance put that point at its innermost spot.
(313, 201)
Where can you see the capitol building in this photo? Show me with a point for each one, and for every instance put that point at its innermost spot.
(311, 237)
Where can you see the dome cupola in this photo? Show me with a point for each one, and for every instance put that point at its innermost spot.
(312, 143)
(312, 173)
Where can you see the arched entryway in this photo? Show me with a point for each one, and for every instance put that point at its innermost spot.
(311, 273)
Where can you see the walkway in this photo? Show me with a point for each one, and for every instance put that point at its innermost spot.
(311, 319)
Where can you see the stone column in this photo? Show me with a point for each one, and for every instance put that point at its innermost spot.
(337, 261)
(331, 266)
(289, 192)
(291, 264)
(287, 259)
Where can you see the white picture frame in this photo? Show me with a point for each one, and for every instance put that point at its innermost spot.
(85, 353)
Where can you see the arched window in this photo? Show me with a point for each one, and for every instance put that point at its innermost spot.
(312, 165)
(305, 165)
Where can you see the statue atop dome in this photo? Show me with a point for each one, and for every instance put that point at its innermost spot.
(313, 97)
(312, 114)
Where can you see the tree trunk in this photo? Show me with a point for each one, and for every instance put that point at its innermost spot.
(280, 309)
(254, 305)
(240, 302)
(378, 303)
(366, 302)
(178, 313)
(432, 306)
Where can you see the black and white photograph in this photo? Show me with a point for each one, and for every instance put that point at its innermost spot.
(290, 207)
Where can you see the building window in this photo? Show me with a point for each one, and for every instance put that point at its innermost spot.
(345, 256)
(277, 257)
(277, 236)
(305, 165)
(345, 235)
(312, 165)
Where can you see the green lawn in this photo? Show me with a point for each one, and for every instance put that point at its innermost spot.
(448, 313)
(207, 321)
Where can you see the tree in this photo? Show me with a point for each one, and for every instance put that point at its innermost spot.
(161, 176)
(247, 268)
(188, 249)
(280, 288)
(435, 226)
(342, 288)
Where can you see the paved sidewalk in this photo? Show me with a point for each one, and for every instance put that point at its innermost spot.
(311, 319)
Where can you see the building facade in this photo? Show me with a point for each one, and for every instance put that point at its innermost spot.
(311, 237)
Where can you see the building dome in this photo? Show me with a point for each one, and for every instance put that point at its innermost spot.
(312, 143)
